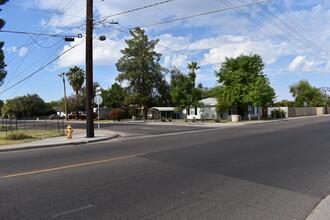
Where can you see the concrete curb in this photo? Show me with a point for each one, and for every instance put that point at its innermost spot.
(321, 211)
(29, 146)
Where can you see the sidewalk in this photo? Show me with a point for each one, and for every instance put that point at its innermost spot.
(79, 137)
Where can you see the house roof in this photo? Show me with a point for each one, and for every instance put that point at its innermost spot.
(209, 101)
(163, 109)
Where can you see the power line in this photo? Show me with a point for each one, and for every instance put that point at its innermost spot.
(175, 51)
(286, 39)
(42, 45)
(205, 13)
(285, 29)
(31, 67)
(191, 16)
(31, 33)
(44, 11)
(186, 17)
(41, 68)
(136, 9)
(24, 45)
(291, 28)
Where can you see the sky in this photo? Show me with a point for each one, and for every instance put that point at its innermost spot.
(292, 37)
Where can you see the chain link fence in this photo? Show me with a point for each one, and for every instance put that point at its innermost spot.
(37, 123)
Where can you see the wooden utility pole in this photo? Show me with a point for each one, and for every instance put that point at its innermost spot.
(89, 70)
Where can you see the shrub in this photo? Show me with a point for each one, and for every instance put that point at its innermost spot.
(117, 114)
(163, 119)
(170, 120)
(217, 120)
(186, 120)
(278, 113)
(17, 136)
(194, 119)
(282, 113)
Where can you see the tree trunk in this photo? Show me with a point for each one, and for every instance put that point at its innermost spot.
(145, 112)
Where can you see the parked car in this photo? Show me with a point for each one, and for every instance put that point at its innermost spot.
(55, 116)
(81, 116)
(71, 116)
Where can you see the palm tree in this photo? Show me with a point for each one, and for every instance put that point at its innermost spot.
(76, 78)
(65, 106)
(192, 67)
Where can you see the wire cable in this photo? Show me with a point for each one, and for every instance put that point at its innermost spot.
(31, 33)
(202, 14)
(44, 11)
(136, 9)
(41, 68)
(301, 35)
(286, 39)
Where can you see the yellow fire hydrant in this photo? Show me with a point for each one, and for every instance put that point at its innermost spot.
(69, 132)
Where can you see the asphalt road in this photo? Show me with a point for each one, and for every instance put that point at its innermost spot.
(125, 128)
(277, 170)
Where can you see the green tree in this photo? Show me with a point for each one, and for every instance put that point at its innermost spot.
(161, 93)
(183, 92)
(76, 78)
(223, 104)
(1, 106)
(193, 66)
(8, 108)
(33, 104)
(28, 105)
(304, 92)
(285, 103)
(3, 72)
(207, 92)
(114, 96)
(140, 68)
(244, 83)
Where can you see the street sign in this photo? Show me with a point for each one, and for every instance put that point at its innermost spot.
(98, 100)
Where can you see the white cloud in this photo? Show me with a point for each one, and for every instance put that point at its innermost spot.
(178, 60)
(327, 68)
(302, 64)
(23, 51)
(105, 53)
(10, 49)
(210, 38)
(265, 49)
(296, 63)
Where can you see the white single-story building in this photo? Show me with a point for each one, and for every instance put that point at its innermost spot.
(208, 111)
(254, 112)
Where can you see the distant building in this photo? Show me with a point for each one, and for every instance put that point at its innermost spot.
(206, 111)
(163, 112)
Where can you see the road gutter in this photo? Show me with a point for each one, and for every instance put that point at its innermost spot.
(321, 211)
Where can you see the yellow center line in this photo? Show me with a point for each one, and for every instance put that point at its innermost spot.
(70, 166)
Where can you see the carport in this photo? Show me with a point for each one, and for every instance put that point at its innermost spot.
(161, 112)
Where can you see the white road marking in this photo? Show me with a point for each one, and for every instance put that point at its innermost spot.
(70, 211)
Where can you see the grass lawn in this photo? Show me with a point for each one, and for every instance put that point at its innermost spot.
(24, 136)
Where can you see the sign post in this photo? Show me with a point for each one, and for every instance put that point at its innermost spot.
(305, 105)
(98, 100)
